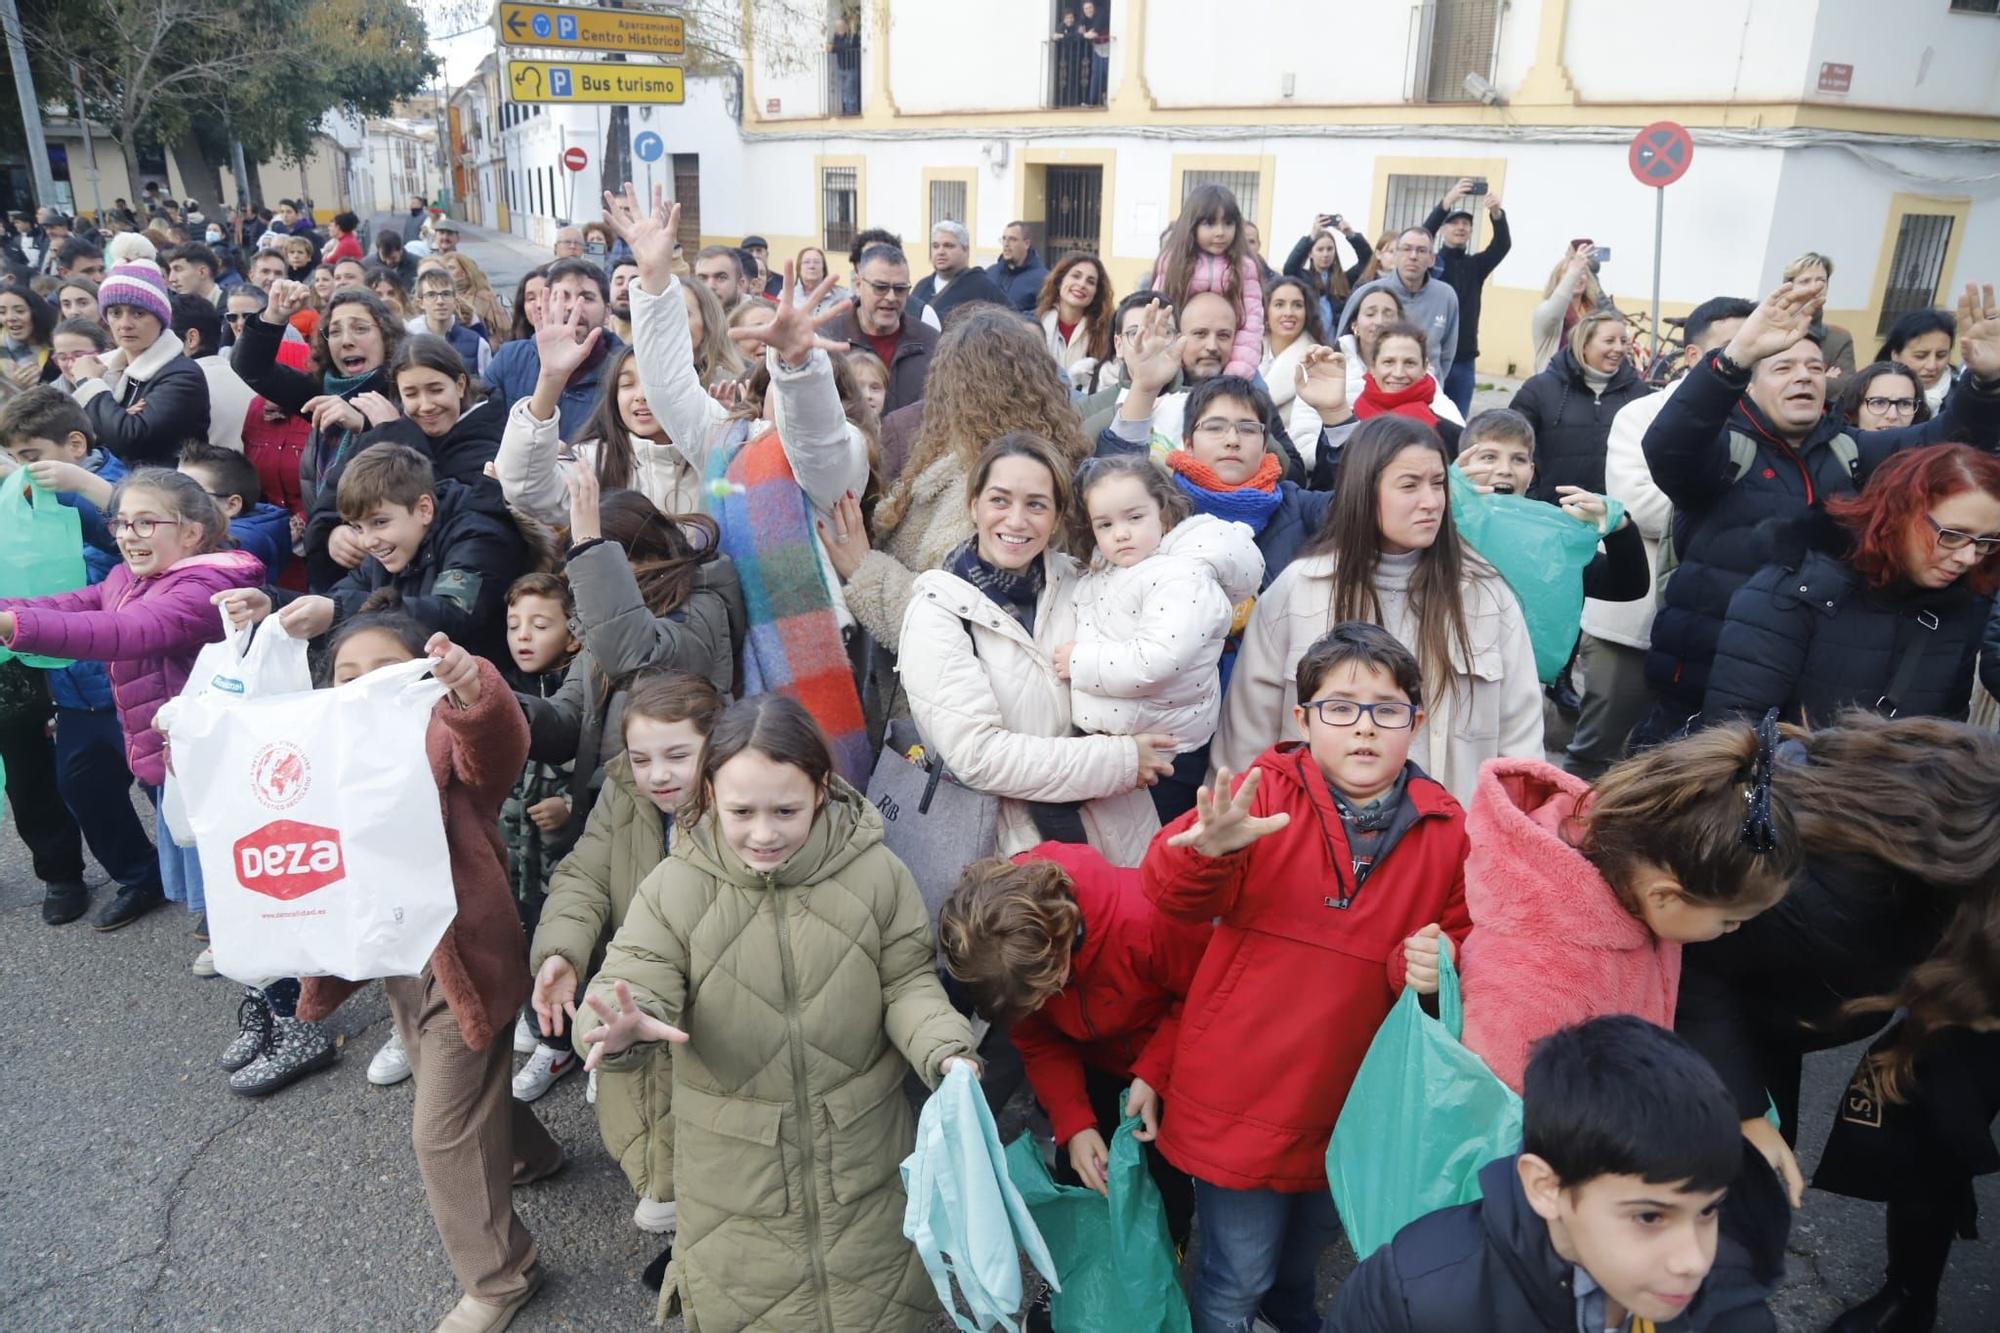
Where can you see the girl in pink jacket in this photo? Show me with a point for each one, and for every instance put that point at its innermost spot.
(147, 619)
(1581, 899)
(1207, 252)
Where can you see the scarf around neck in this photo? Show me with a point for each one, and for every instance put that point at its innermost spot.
(1413, 402)
(1252, 500)
(1015, 591)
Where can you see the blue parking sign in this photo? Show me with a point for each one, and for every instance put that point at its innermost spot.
(648, 147)
(565, 27)
(558, 81)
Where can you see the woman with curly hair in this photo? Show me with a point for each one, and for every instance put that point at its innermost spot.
(990, 375)
(1897, 914)
(1074, 308)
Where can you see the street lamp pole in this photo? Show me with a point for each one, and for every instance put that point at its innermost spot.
(31, 110)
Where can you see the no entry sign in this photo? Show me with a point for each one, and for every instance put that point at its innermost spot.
(1661, 154)
(575, 159)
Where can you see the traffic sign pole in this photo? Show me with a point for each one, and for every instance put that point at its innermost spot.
(1659, 219)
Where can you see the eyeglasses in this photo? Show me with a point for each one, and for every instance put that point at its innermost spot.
(887, 288)
(1215, 428)
(1901, 407)
(238, 317)
(1952, 539)
(1346, 712)
(141, 528)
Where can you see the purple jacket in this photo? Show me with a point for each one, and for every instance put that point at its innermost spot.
(149, 630)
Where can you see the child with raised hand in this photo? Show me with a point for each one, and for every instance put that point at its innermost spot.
(1206, 251)
(1331, 874)
(474, 1143)
(147, 620)
(1092, 977)
(1633, 1204)
(788, 951)
(535, 820)
(668, 717)
(1154, 607)
(49, 437)
(1582, 897)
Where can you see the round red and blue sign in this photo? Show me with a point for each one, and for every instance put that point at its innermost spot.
(1661, 154)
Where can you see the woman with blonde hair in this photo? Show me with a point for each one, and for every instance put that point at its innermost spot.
(1571, 402)
(1572, 292)
(1812, 272)
(990, 375)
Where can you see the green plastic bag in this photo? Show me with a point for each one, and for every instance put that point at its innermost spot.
(1114, 1258)
(1423, 1116)
(41, 549)
(1541, 552)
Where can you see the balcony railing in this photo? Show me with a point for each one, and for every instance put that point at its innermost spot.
(1077, 75)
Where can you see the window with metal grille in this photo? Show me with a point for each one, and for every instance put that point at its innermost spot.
(1917, 266)
(1975, 6)
(948, 202)
(840, 205)
(1243, 184)
(1411, 198)
(1074, 216)
(1451, 39)
(687, 193)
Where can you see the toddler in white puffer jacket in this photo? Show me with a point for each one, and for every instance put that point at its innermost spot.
(1155, 605)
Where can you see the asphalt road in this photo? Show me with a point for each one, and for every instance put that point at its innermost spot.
(136, 1192)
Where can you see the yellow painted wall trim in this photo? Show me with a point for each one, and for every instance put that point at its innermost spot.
(1135, 96)
(880, 91)
(1265, 167)
(860, 165)
(1510, 119)
(1954, 207)
(1031, 201)
(1547, 82)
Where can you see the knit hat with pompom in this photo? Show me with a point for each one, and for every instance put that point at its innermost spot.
(138, 285)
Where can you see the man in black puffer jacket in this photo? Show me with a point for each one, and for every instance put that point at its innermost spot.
(1745, 440)
(1622, 1121)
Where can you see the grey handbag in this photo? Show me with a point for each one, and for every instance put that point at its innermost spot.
(931, 822)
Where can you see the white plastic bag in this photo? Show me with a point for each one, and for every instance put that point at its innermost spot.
(320, 827)
(241, 666)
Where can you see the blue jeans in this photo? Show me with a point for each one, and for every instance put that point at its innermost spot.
(96, 786)
(180, 867)
(1260, 1251)
(1458, 386)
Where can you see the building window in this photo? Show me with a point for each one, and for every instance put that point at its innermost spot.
(1917, 266)
(1411, 199)
(843, 63)
(840, 206)
(947, 203)
(1079, 54)
(1243, 184)
(1975, 6)
(687, 193)
(1449, 41)
(1073, 217)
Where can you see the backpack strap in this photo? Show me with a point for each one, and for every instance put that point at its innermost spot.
(1911, 643)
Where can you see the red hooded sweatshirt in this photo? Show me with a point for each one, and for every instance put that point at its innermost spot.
(1300, 974)
(1121, 1011)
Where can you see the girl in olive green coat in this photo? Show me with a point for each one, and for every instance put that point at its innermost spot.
(668, 716)
(794, 950)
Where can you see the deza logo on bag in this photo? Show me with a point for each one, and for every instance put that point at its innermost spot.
(286, 859)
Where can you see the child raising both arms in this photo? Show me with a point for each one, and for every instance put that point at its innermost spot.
(794, 949)
(1154, 608)
(1330, 874)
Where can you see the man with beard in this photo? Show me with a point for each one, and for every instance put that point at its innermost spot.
(623, 274)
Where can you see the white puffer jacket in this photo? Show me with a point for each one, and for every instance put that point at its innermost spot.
(986, 698)
(1149, 638)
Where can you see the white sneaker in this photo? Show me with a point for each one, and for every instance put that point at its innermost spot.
(204, 963)
(391, 1064)
(590, 1088)
(544, 1067)
(526, 1039)
(655, 1215)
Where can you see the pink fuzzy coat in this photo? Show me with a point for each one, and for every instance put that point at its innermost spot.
(1211, 274)
(1550, 944)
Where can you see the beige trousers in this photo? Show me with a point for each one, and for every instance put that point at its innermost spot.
(473, 1141)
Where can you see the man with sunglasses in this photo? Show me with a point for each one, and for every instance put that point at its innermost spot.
(880, 321)
(1747, 440)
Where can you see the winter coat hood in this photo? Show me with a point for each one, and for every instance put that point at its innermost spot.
(1228, 549)
(265, 531)
(1516, 821)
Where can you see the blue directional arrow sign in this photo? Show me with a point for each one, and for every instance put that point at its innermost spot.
(648, 147)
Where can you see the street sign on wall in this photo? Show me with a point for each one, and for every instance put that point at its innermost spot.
(576, 82)
(564, 27)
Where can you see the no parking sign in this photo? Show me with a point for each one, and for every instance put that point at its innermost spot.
(1660, 155)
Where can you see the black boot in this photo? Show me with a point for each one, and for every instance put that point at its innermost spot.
(1890, 1310)
(297, 1048)
(127, 907)
(656, 1272)
(65, 902)
(253, 1022)
(1919, 1244)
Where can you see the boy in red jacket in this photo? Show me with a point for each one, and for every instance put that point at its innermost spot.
(1330, 875)
(1066, 945)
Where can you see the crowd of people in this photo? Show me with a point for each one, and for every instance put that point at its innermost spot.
(1240, 736)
